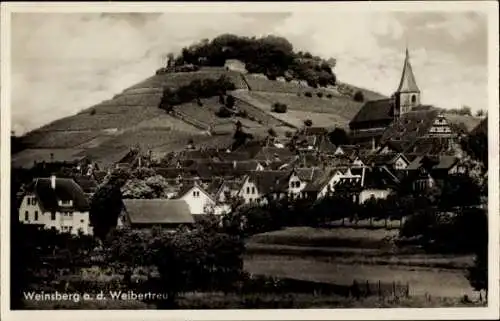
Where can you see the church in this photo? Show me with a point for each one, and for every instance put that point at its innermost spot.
(402, 120)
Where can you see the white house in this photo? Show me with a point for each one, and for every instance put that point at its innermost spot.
(57, 203)
(199, 200)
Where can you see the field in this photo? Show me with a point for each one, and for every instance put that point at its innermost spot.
(342, 255)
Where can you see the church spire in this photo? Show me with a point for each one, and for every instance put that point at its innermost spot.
(407, 83)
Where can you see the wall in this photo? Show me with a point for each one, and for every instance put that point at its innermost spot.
(400, 163)
(333, 180)
(249, 192)
(62, 222)
(197, 204)
(294, 189)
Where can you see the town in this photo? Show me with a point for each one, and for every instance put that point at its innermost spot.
(401, 166)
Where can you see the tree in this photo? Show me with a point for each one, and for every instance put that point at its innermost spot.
(358, 96)
(459, 190)
(196, 260)
(279, 108)
(106, 205)
(338, 137)
(221, 99)
(230, 102)
(224, 113)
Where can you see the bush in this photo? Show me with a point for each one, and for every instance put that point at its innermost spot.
(319, 94)
(242, 114)
(224, 113)
(358, 96)
(308, 94)
(279, 108)
(230, 102)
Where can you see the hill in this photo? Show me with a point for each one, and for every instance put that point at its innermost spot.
(107, 130)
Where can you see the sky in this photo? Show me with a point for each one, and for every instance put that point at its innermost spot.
(65, 62)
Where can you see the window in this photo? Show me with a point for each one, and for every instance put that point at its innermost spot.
(53, 216)
(196, 193)
(248, 190)
(33, 201)
(81, 221)
(65, 202)
(253, 190)
(29, 200)
(36, 215)
(26, 215)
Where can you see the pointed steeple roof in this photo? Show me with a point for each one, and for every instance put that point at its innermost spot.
(407, 83)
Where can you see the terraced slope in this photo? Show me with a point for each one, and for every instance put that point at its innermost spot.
(107, 130)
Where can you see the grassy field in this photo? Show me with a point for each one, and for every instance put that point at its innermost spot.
(422, 280)
(341, 255)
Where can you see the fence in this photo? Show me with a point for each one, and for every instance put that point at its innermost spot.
(381, 289)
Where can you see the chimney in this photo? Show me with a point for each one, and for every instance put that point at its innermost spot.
(53, 181)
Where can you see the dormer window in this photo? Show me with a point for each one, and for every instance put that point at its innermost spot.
(65, 203)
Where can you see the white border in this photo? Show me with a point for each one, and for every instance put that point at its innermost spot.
(488, 7)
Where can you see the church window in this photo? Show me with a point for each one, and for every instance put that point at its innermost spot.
(413, 98)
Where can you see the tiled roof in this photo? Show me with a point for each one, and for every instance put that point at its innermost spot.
(410, 126)
(169, 172)
(314, 131)
(88, 185)
(481, 128)
(66, 189)
(269, 181)
(158, 211)
(446, 162)
(274, 153)
(380, 178)
(373, 111)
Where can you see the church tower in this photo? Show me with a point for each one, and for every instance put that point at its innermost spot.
(407, 95)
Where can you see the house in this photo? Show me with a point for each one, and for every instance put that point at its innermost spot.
(227, 190)
(146, 213)
(323, 184)
(371, 121)
(57, 203)
(299, 178)
(419, 173)
(198, 199)
(235, 65)
(427, 171)
(393, 161)
(260, 185)
(274, 154)
(349, 151)
(377, 183)
(422, 130)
